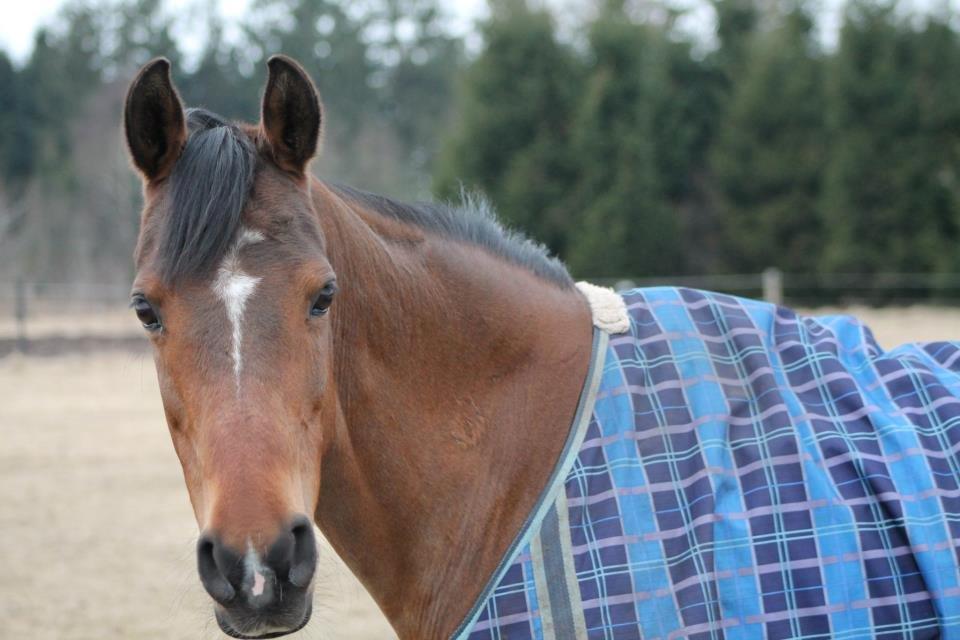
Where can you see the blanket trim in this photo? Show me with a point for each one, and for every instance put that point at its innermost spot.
(578, 430)
(607, 307)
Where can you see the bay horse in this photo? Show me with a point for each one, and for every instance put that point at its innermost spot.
(498, 452)
(329, 356)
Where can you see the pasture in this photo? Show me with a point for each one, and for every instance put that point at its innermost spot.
(98, 535)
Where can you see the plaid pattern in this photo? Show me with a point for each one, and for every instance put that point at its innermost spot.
(747, 473)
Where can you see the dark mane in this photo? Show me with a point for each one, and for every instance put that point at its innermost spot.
(209, 187)
(213, 178)
(473, 221)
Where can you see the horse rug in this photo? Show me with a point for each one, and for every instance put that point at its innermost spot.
(736, 470)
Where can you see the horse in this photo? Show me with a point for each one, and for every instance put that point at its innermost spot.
(497, 451)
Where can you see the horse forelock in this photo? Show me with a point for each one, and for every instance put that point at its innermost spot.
(207, 193)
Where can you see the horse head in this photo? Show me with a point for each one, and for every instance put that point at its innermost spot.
(233, 288)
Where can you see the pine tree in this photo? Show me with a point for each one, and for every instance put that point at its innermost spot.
(937, 50)
(328, 41)
(768, 158)
(217, 83)
(626, 225)
(688, 107)
(143, 30)
(62, 72)
(11, 136)
(512, 142)
(419, 60)
(736, 23)
(890, 199)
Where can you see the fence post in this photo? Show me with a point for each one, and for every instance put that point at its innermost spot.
(20, 313)
(772, 279)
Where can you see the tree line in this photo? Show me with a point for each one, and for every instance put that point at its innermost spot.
(634, 152)
(629, 146)
(68, 199)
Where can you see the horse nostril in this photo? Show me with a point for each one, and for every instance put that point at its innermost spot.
(213, 579)
(304, 560)
(252, 580)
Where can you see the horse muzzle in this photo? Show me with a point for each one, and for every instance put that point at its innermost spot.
(261, 596)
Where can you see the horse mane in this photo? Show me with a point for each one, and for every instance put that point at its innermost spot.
(213, 178)
(474, 222)
(209, 187)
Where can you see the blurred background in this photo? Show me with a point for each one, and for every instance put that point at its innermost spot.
(807, 152)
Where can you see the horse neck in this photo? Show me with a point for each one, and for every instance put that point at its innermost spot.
(457, 377)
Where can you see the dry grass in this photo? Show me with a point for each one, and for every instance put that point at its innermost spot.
(98, 536)
(89, 322)
(897, 325)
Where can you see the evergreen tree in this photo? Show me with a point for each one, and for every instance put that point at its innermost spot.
(515, 110)
(12, 166)
(937, 50)
(218, 83)
(620, 151)
(768, 158)
(736, 22)
(626, 224)
(328, 40)
(687, 110)
(62, 72)
(141, 30)
(893, 135)
(332, 39)
(419, 61)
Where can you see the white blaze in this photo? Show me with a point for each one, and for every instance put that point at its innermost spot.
(255, 570)
(235, 287)
(258, 582)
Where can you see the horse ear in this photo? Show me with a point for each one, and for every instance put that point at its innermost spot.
(153, 120)
(291, 114)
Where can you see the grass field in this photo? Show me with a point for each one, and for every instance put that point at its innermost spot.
(98, 536)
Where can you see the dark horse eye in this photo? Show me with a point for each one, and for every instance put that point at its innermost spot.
(146, 313)
(322, 302)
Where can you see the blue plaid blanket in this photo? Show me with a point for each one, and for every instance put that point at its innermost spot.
(738, 471)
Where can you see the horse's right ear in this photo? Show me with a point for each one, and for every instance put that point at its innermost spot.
(153, 120)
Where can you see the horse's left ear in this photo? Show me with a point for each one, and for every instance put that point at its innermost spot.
(291, 114)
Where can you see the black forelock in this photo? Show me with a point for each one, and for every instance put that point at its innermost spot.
(209, 187)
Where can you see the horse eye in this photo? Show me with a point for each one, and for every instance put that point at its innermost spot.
(146, 313)
(322, 302)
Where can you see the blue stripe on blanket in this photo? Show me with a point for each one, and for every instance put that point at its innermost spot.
(747, 473)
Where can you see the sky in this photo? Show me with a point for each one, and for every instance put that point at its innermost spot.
(22, 17)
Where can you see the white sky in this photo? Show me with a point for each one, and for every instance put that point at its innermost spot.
(16, 31)
(22, 17)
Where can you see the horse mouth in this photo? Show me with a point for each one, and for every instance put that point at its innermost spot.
(262, 631)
